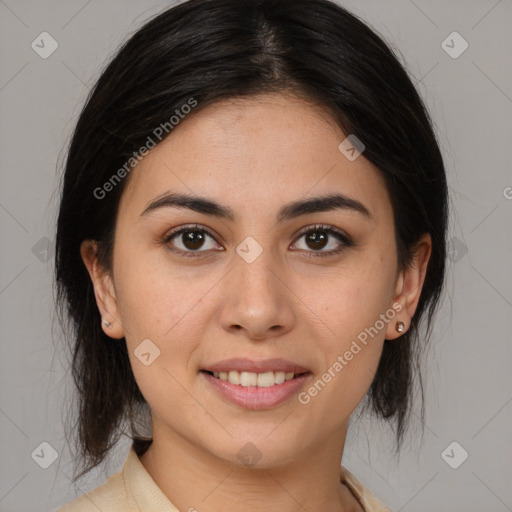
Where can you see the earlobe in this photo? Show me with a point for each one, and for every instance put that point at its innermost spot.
(104, 291)
(400, 323)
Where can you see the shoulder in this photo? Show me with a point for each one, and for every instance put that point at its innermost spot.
(112, 496)
(367, 500)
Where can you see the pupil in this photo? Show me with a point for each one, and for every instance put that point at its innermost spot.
(193, 239)
(317, 241)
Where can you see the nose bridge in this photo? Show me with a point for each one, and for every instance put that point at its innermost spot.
(255, 266)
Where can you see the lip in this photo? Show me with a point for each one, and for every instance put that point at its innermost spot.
(253, 397)
(242, 364)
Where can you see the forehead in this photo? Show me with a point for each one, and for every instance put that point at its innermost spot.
(259, 152)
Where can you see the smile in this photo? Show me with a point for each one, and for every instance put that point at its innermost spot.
(255, 391)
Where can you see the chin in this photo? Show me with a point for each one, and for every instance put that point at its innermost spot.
(259, 451)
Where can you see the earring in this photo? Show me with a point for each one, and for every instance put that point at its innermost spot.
(107, 323)
(400, 326)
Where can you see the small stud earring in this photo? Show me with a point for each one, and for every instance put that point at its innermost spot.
(400, 326)
(107, 323)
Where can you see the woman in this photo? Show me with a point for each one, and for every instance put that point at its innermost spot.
(252, 228)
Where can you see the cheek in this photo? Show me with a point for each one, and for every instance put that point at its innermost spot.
(155, 297)
(354, 304)
(350, 348)
(352, 298)
(167, 309)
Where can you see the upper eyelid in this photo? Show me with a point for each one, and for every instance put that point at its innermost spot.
(326, 227)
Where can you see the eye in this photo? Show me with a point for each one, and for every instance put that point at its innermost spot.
(191, 239)
(318, 237)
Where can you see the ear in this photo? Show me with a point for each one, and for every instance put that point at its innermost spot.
(408, 287)
(104, 290)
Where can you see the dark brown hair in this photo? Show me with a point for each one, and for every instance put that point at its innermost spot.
(215, 49)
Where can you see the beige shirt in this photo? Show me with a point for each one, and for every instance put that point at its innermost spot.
(133, 490)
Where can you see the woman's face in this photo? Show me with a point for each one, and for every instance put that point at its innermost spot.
(261, 283)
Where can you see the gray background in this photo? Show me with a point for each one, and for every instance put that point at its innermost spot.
(469, 389)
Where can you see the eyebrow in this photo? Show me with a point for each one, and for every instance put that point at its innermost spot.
(290, 211)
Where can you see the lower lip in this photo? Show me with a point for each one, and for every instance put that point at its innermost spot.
(256, 398)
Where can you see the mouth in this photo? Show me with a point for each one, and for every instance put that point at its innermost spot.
(256, 391)
(254, 379)
(255, 384)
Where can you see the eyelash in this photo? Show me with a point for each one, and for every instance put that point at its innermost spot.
(342, 237)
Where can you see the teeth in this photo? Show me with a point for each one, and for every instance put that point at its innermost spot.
(248, 379)
(265, 380)
(280, 377)
(234, 377)
(261, 380)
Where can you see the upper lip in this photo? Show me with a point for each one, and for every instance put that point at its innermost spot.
(241, 364)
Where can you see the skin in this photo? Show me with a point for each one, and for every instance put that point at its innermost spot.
(254, 155)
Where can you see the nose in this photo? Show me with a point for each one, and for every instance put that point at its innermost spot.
(257, 301)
